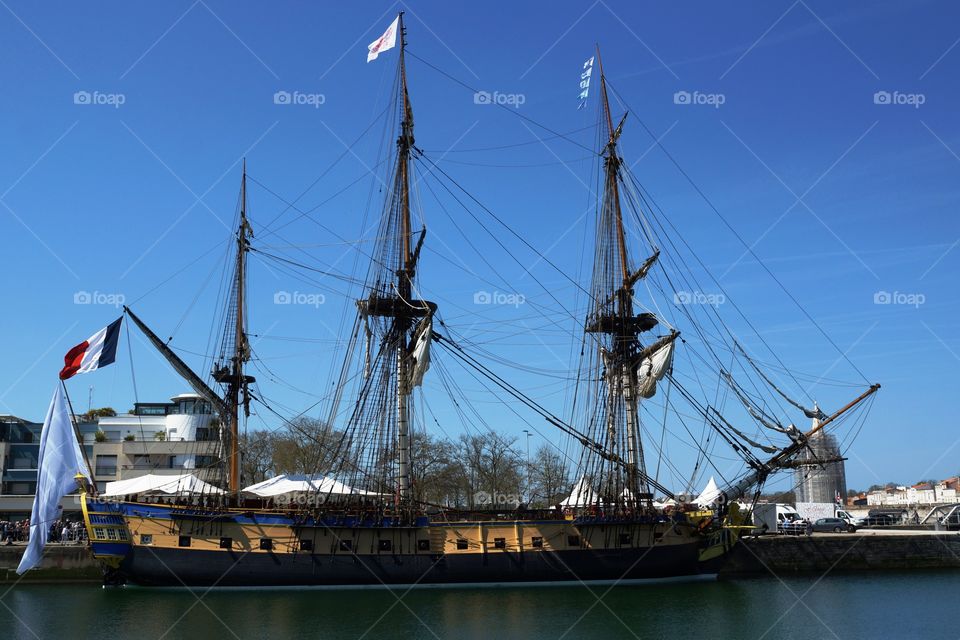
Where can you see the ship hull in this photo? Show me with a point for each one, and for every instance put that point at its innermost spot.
(176, 567)
(159, 545)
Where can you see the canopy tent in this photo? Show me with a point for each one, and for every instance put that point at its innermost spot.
(709, 494)
(151, 483)
(303, 483)
(581, 496)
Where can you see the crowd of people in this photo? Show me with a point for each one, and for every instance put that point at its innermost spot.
(63, 531)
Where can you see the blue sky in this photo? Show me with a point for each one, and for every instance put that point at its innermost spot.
(834, 154)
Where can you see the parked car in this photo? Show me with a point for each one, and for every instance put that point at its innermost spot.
(836, 525)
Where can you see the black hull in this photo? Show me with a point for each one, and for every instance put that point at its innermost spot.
(183, 567)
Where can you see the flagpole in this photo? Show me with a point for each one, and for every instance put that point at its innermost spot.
(79, 437)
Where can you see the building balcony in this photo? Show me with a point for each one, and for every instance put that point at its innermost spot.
(171, 448)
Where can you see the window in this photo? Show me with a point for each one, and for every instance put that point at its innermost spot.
(499, 543)
(106, 466)
(112, 534)
(306, 545)
(226, 543)
(184, 541)
(423, 545)
(346, 545)
(625, 539)
(146, 538)
(573, 541)
(99, 533)
(23, 488)
(385, 545)
(462, 543)
(536, 542)
(23, 456)
(266, 544)
(146, 410)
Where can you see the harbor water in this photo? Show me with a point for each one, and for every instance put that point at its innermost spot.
(863, 605)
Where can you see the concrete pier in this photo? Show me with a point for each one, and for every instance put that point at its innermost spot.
(868, 550)
(61, 563)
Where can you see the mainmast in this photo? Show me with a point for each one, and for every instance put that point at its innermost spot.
(392, 296)
(404, 277)
(233, 376)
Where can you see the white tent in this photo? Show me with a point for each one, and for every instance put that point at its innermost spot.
(709, 494)
(581, 496)
(151, 483)
(302, 483)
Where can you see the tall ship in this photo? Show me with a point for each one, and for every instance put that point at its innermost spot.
(362, 520)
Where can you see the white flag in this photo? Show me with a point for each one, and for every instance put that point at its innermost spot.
(387, 41)
(59, 461)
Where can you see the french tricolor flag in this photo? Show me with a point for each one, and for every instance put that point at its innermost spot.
(97, 351)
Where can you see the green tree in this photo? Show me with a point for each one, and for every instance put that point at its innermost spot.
(94, 415)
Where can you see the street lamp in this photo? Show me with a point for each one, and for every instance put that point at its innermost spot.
(527, 489)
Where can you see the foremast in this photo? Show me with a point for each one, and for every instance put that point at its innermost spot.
(234, 354)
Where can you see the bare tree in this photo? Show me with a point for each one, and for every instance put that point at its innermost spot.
(307, 446)
(549, 481)
(437, 474)
(493, 469)
(256, 461)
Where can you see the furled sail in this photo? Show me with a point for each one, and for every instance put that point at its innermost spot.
(810, 413)
(758, 415)
(653, 368)
(421, 351)
(753, 443)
